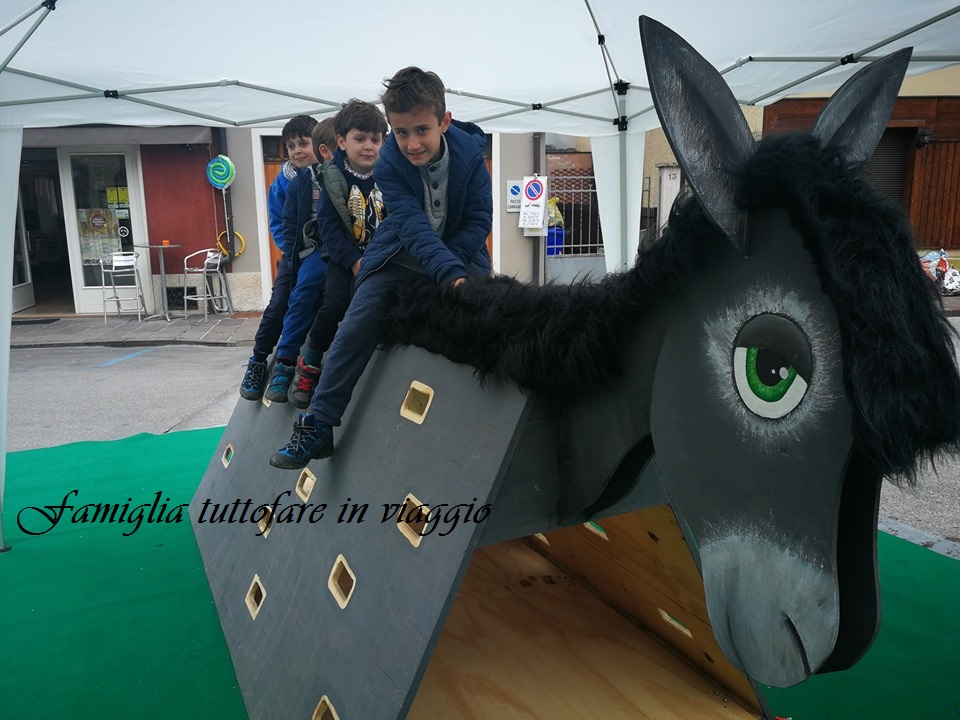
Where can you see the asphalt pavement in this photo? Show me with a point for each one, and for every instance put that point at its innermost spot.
(71, 394)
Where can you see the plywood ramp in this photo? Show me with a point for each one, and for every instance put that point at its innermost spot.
(639, 562)
(526, 640)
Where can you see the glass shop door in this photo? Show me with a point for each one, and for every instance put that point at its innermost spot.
(104, 209)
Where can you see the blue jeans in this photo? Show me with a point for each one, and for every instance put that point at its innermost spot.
(303, 304)
(355, 341)
(337, 291)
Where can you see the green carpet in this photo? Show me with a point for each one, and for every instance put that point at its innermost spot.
(97, 625)
(912, 671)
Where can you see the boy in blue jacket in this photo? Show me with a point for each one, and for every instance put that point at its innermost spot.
(436, 187)
(306, 141)
(350, 209)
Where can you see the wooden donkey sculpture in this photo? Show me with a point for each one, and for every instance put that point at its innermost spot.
(774, 355)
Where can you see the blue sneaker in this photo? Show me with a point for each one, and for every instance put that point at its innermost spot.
(254, 380)
(280, 382)
(311, 440)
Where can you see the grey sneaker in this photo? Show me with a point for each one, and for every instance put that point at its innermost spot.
(304, 381)
(279, 383)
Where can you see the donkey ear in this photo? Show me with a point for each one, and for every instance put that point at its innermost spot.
(857, 114)
(703, 124)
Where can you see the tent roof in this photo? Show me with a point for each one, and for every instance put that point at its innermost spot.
(246, 62)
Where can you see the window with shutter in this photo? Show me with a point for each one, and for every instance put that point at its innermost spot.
(887, 169)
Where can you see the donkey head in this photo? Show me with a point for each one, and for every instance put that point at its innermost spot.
(757, 453)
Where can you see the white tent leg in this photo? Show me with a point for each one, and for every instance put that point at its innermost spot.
(618, 170)
(11, 139)
(624, 224)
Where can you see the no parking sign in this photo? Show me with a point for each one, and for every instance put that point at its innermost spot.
(533, 202)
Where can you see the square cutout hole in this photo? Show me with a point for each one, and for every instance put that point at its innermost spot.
(342, 582)
(412, 519)
(305, 484)
(674, 623)
(596, 530)
(255, 596)
(417, 402)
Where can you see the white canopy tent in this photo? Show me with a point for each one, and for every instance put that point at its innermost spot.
(568, 66)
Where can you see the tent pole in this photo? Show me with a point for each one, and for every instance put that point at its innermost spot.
(621, 88)
(334, 105)
(624, 264)
(860, 58)
(20, 19)
(855, 56)
(11, 139)
(33, 29)
(543, 109)
(325, 111)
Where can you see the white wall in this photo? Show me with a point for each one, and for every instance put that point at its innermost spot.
(512, 160)
(245, 280)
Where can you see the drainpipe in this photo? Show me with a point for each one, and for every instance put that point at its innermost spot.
(227, 202)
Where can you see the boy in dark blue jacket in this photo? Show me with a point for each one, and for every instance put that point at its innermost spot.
(306, 141)
(349, 211)
(436, 188)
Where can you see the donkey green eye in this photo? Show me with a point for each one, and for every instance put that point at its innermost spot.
(769, 374)
(767, 381)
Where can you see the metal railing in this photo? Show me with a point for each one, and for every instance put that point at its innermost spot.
(576, 197)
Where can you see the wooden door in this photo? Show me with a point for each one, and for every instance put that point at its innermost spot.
(490, 235)
(271, 168)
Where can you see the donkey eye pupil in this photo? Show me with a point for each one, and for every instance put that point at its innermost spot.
(772, 367)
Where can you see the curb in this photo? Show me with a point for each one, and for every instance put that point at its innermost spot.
(129, 343)
(918, 537)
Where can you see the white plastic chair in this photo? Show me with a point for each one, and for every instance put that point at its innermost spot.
(207, 265)
(120, 266)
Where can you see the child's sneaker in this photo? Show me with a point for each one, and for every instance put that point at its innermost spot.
(311, 440)
(279, 382)
(254, 380)
(304, 381)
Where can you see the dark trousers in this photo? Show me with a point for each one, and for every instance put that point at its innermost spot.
(355, 341)
(336, 298)
(272, 322)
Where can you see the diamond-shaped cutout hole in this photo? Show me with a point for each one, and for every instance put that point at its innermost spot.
(325, 710)
(412, 519)
(342, 582)
(266, 521)
(255, 596)
(305, 484)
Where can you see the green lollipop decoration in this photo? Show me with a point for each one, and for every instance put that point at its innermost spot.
(221, 172)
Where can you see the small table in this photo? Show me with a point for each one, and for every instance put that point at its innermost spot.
(163, 278)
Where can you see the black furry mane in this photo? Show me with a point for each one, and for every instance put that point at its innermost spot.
(899, 366)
